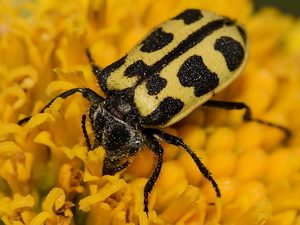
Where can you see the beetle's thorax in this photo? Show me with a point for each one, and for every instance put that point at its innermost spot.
(120, 105)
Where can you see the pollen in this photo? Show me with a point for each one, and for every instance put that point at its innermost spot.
(48, 175)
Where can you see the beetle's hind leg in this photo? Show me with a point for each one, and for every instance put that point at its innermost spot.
(247, 116)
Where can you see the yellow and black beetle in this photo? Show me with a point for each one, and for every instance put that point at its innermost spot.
(179, 66)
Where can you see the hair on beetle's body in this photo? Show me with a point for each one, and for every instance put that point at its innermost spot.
(175, 69)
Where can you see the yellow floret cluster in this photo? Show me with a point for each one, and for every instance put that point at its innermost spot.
(47, 175)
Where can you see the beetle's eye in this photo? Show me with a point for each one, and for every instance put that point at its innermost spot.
(137, 142)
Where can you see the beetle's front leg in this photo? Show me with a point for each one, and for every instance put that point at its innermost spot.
(153, 145)
(95, 68)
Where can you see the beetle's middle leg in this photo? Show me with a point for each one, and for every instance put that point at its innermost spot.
(248, 114)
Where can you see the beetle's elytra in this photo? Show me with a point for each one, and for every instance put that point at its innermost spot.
(179, 66)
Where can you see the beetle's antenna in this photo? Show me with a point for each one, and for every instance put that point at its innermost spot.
(87, 93)
(85, 134)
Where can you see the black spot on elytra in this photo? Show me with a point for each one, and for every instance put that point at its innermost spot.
(155, 84)
(194, 73)
(156, 40)
(189, 16)
(166, 110)
(191, 41)
(104, 74)
(232, 51)
(138, 68)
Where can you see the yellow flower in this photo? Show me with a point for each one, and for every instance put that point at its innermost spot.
(48, 176)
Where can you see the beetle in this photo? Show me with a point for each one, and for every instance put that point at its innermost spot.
(179, 66)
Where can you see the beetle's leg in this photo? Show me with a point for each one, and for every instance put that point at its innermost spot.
(85, 133)
(110, 168)
(153, 145)
(95, 69)
(87, 93)
(173, 140)
(247, 115)
(89, 56)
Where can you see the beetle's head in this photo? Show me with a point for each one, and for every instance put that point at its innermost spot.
(119, 139)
